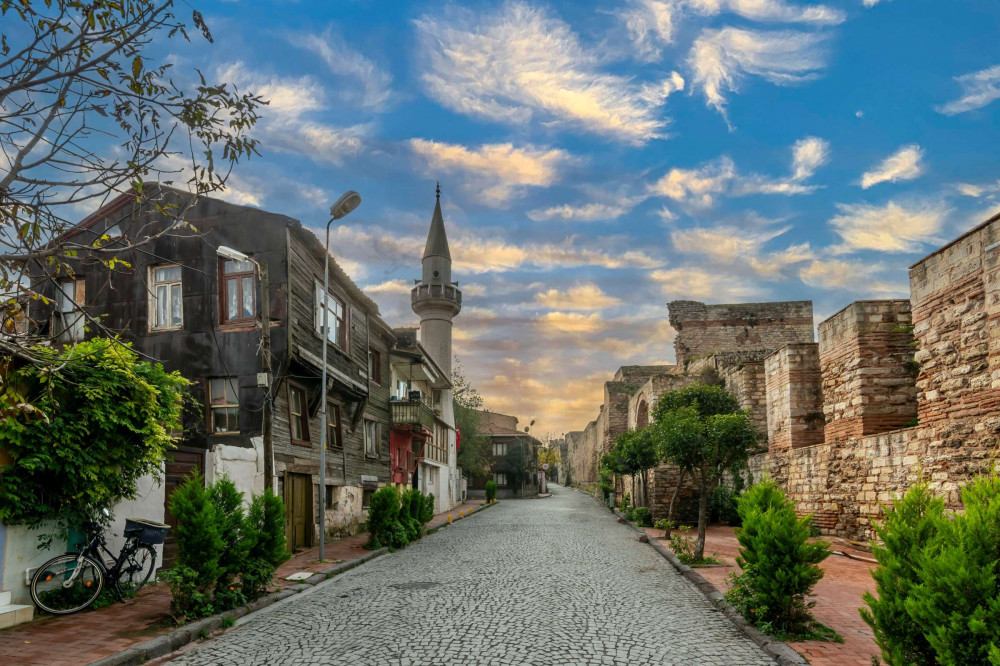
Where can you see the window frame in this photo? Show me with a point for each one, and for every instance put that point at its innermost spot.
(303, 415)
(375, 366)
(234, 382)
(335, 410)
(343, 342)
(223, 281)
(502, 445)
(70, 331)
(500, 478)
(153, 284)
(372, 451)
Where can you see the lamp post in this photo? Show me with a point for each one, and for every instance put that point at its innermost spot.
(265, 348)
(344, 205)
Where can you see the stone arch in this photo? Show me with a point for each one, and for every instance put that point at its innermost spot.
(642, 415)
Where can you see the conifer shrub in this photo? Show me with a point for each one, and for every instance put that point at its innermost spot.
(384, 526)
(910, 525)
(642, 516)
(411, 504)
(228, 501)
(780, 565)
(491, 491)
(428, 514)
(263, 532)
(199, 549)
(957, 600)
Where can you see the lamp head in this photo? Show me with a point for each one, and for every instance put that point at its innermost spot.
(345, 204)
(230, 253)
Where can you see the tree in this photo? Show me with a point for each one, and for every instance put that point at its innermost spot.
(518, 464)
(702, 430)
(475, 452)
(639, 453)
(91, 110)
(82, 435)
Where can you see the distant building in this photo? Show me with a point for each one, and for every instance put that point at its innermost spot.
(505, 436)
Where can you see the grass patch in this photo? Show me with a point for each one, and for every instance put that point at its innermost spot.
(228, 622)
(814, 631)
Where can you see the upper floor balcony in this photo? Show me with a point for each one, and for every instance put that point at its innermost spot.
(412, 413)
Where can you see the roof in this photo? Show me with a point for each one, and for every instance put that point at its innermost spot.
(437, 239)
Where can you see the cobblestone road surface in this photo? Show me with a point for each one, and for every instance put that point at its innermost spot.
(543, 582)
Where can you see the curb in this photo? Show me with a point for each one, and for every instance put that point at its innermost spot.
(780, 651)
(176, 639)
(455, 519)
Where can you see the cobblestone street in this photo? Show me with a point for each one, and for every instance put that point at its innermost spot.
(545, 581)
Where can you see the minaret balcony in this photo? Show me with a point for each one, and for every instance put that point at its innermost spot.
(436, 294)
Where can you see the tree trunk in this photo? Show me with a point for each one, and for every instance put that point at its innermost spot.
(645, 487)
(673, 500)
(699, 544)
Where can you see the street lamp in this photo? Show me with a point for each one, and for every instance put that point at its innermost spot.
(265, 348)
(344, 205)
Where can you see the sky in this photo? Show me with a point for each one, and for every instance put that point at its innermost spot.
(599, 159)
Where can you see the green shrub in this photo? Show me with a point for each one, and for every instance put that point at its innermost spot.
(665, 525)
(228, 502)
(957, 600)
(199, 549)
(411, 504)
(780, 564)
(642, 516)
(722, 506)
(263, 532)
(491, 491)
(383, 520)
(626, 501)
(909, 526)
(428, 514)
(606, 483)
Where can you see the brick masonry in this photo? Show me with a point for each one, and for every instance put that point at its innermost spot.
(794, 397)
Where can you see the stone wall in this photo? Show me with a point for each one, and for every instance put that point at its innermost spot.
(747, 381)
(866, 357)
(703, 330)
(650, 392)
(794, 397)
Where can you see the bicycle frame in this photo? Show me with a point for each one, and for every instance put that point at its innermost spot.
(94, 546)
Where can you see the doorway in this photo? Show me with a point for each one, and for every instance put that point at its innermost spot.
(299, 511)
(181, 463)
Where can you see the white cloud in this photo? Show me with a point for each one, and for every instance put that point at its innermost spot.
(690, 282)
(870, 3)
(978, 89)
(390, 287)
(977, 191)
(283, 125)
(904, 164)
(809, 154)
(650, 25)
(769, 10)
(518, 63)
(343, 61)
(697, 186)
(572, 322)
(889, 228)
(610, 209)
(859, 277)
(735, 247)
(581, 297)
(496, 170)
(721, 58)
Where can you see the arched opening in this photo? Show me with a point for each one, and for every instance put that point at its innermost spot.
(642, 415)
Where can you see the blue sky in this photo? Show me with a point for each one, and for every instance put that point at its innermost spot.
(600, 159)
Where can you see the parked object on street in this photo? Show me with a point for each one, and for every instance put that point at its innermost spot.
(69, 583)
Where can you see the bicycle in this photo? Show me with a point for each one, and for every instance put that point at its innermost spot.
(71, 582)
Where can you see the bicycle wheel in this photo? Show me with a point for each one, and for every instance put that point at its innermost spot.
(66, 584)
(137, 568)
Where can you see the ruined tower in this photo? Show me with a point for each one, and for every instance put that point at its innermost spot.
(436, 299)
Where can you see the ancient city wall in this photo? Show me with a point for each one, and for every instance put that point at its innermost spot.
(703, 330)
(794, 397)
(747, 381)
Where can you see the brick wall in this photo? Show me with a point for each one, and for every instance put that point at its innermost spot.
(794, 398)
(866, 353)
(703, 330)
(747, 381)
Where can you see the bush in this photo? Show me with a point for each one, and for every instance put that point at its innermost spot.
(263, 531)
(199, 549)
(228, 501)
(957, 600)
(428, 514)
(665, 525)
(491, 491)
(383, 520)
(722, 506)
(778, 561)
(411, 505)
(626, 500)
(606, 484)
(642, 516)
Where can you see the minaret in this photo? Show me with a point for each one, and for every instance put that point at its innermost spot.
(436, 299)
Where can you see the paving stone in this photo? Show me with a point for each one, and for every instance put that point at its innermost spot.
(525, 583)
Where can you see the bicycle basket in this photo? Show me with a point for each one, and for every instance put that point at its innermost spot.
(146, 531)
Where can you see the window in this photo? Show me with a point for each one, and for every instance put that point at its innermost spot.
(402, 392)
(69, 316)
(499, 448)
(500, 479)
(334, 435)
(374, 366)
(371, 438)
(237, 292)
(329, 497)
(224, 406)
(167, 305)
(436, 447)
(298, 415)
(337, 333)
(366, 498)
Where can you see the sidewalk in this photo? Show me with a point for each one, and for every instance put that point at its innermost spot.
(837, 596)
(87, 636)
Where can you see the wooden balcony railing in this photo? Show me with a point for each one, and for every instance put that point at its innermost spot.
(412, 412)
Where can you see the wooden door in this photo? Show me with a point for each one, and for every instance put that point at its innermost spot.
(181, 463)
(298, 498)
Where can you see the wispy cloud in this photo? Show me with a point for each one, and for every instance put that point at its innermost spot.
(650, 25)
(611, 209)
(856, 276)
(343, 61)
(777, 11)
(978, 89)
(740, 247)
(721, 58)
(870, 3)
(572, 322)
(691, 282)
(890, 228)
(496, 170)
(904, 164)
(580, 297)
(518, 63)
(808, 155)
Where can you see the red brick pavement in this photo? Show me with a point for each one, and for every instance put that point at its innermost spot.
(94, 634)
(837, 596)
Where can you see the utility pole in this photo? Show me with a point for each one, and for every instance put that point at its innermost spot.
(265, 345)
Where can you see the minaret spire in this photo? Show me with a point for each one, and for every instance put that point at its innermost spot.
(437, 239)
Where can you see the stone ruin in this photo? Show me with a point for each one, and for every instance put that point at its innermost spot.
(892, 391)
